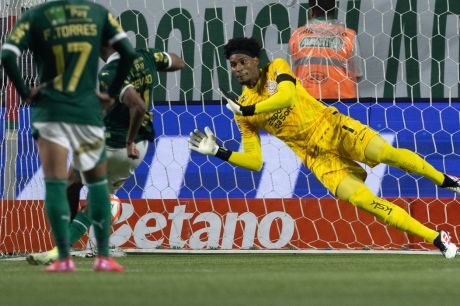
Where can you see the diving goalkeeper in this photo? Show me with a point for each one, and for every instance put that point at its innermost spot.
(328, 142)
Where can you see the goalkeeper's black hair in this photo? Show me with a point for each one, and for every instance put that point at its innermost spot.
(242, 45)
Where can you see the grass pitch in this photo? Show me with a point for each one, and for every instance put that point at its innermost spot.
(240, 279)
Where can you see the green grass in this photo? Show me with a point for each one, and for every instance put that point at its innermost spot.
(249, 279)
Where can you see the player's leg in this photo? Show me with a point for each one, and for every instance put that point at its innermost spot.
(74, 187)
(54, 163)
(80, 219)
(380, 151)
(78, 226)
(99, 211)
(90, 160)
(353, 190)
(99, 205)
(120, 168)
(359, 142)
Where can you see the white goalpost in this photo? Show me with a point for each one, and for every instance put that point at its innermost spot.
(181, 202)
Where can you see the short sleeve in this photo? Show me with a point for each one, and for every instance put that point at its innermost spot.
(161, 59)
(19, 38)
(113, 31)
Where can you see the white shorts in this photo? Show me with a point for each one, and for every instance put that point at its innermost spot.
(120, 167)
(85, 141)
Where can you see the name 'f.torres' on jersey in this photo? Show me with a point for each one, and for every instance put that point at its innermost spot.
(65, 38)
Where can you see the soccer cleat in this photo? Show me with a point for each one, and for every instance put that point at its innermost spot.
(61, 265)
(44, 258)
(106, 264)
(451, 183)
(444, 244)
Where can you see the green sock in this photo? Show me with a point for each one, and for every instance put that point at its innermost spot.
(99, 212)
(57, 210)
(79, 226)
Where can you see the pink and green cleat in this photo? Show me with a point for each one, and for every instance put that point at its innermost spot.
(61, 265)
(106, 264)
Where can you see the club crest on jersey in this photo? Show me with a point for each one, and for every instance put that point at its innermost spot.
(272, 87)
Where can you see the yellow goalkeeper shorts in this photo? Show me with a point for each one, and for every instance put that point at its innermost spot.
(338, 143)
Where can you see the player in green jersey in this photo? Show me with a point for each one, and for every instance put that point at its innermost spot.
(129, 128)
(66, 38)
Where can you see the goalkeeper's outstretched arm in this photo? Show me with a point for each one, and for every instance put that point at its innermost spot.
(205, 143)
(284, 97)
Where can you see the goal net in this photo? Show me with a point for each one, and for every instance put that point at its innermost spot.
(181, 200)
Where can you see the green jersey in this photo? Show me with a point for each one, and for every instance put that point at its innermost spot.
(65, 38)
(142, 77)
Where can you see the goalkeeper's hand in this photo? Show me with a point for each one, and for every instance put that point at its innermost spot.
(236, 107)
(203, 143)
(231, 105)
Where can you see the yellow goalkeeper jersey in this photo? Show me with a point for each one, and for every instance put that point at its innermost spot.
(294, 125)
(326, 141)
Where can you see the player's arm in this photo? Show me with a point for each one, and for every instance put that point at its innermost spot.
(167, 61)
(11, 49)
(117, 38)
(136, 105)
(127, 56)
(177, 63)
(130, 97)
(8, 61)
(284, 97)
(250, 158)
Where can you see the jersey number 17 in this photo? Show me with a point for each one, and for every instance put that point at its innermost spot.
(84, 49)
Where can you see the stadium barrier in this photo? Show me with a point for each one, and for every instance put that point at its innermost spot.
(224, 224)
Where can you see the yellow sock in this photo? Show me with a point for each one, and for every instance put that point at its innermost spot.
(390, 213)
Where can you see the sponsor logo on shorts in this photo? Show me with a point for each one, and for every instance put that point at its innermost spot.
(87, 147)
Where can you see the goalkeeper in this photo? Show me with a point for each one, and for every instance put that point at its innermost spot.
(327, 142)
(129, 128)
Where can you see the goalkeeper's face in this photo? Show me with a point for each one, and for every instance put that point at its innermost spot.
(245, 69)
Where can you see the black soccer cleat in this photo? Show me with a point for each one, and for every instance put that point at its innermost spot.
(451, 183)
(445, 245)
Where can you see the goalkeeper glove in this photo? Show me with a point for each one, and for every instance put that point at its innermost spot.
(236, 107)
(206, 144)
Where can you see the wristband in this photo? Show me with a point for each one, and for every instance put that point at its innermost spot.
(248, 110)
(223, 153)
